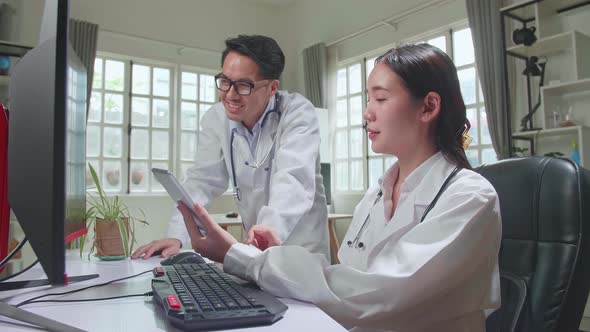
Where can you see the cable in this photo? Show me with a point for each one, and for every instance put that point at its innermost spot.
(81, 289)
(91, 300)
(9, 257)
(20, 272)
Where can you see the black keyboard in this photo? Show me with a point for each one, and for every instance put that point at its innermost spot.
(202, 297)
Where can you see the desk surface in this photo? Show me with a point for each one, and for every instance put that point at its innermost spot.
(136, 313)
(222, 219)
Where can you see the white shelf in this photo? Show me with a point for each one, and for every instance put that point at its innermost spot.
(574, 130)
(556, 43)
(568, 87)
(528, 12)
(4, 80)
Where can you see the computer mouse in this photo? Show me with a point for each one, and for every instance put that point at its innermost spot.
(185, 257)
(232, 215)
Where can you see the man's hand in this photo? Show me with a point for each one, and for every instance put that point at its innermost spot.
(263, 237)
(217, 242)
(168, 247)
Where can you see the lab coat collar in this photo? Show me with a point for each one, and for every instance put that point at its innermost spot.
(435, 169)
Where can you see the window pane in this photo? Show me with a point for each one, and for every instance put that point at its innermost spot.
(161, 82)
(341, 82)
(155, 185)
(488, 155)
(140, 143)
(92, 141)
(341, 144)
(207, 88)
(140, 111)
(463, 47)
(141, 79)
(467, 82)
(96, 165)
(473, 132)
(375, 170)
(139, 176)
(113, 108)
(113, 141)
(356, 142)
(356, 175)
(472, 157)
(341, 113)
(115, 75)
(161, 113)
(189, 86)
(188, 145)
(188, 116)
(111, 176)
(97, 76)
(342, 175)
(369, 65)
(485, 130)
(440, 42)
(354, 78)
(95, 111)
(160, 145)
(356, 110)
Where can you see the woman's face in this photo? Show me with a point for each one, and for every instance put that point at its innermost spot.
(392, 114)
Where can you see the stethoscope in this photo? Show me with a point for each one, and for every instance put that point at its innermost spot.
(358, 244)
(276, 109)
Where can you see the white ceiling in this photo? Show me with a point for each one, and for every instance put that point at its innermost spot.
(272, 3)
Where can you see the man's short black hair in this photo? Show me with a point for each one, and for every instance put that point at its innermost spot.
(263, 50)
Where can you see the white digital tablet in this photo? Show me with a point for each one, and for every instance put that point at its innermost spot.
(177, 192)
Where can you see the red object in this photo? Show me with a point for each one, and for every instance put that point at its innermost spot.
(173, 302)
(4, 208)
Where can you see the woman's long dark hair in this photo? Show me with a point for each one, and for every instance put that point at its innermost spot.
(424, 68)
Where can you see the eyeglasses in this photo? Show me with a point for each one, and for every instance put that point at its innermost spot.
(243, 88)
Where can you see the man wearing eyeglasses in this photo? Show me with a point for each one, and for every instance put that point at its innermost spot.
(265, 144)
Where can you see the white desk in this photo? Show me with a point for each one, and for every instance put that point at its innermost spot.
(136, 313)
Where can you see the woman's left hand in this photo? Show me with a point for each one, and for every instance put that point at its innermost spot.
(217, 242)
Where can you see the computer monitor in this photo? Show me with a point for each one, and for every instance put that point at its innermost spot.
(47, 141)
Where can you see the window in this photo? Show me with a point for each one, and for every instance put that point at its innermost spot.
(133, 120)
(349, 166)
(151, 125)
(349, 133)
(481, 150)
(197, 95)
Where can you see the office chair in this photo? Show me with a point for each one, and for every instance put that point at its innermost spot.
(544, 259)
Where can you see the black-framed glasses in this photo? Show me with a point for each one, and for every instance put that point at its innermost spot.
(243, 88)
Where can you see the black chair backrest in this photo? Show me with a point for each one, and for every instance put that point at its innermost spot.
(545, 207)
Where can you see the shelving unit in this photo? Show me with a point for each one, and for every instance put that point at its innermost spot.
(566, 54)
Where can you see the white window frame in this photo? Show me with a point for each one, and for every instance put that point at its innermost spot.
(174, 158)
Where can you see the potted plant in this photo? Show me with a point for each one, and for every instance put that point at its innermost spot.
(114, 226)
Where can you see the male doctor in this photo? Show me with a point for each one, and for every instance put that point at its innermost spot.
(265, 143)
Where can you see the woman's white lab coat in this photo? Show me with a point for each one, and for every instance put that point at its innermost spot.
(438, 275)
(286, 192)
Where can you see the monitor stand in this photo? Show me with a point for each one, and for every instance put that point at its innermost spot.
(11, 285)
(21, 315)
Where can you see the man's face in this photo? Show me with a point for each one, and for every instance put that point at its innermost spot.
(241, 108)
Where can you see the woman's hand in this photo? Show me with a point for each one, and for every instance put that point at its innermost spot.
(217, 242)
(263, 237)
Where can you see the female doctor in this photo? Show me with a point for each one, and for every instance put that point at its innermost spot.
(421, 251)
(263, 142)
